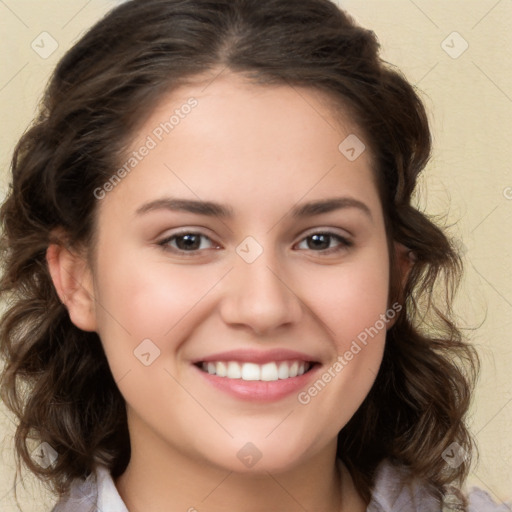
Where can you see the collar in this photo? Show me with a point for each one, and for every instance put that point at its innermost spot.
(390, 494)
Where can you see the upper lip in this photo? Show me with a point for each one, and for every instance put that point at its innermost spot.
(257, 356)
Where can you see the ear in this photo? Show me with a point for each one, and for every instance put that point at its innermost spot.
(405, 259)
(73, 282)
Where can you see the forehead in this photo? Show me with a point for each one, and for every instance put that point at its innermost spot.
(225, 135)
(259, 108)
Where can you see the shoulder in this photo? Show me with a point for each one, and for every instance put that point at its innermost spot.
(395, 490)
(481, 501)
(96, 492)
(392, 491)
(82, 496)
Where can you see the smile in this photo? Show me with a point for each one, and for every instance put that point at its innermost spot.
(250, 371)
(258, 376)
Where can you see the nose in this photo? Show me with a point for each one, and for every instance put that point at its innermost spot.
(259, 297)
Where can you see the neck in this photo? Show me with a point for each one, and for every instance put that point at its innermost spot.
(160, 477)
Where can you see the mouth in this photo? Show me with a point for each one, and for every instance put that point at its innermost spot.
(252, 371)
(257, 376)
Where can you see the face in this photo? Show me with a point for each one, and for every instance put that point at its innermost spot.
(241, 276)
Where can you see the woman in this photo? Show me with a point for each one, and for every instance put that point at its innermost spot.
(221, 292)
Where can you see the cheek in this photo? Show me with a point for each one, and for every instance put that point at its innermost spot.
(350, 301)
(138, 299)
(359, 337)
(351, 298)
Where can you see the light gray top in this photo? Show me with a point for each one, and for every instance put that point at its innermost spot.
(98, 492)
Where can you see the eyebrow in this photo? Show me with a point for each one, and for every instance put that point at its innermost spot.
(208, 208)
(212, 209)
(329, 205)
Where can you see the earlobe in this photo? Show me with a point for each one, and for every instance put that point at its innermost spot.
(72, 279)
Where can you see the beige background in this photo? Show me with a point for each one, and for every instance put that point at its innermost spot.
(469, 97)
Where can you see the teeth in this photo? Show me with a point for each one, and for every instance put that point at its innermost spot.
(234, 371)
(252, 371)
(269, 372)
(284, 371)
(221, 369)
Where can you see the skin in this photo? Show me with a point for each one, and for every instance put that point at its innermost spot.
(261, 151)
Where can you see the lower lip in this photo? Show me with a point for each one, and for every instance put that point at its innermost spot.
(256, 390)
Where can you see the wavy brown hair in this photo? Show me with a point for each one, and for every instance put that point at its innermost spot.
(56, 378)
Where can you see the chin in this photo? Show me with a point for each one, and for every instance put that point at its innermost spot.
(260, 456)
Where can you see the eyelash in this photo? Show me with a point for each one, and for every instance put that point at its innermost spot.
(344, 243)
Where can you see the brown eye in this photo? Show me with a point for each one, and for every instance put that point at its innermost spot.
(187, 242)
(319, 241)
(329, 242)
